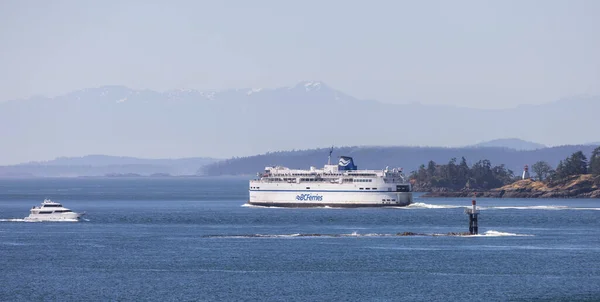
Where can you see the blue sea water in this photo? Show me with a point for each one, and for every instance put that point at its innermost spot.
(192, 239)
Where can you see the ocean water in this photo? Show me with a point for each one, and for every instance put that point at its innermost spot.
(192, 239)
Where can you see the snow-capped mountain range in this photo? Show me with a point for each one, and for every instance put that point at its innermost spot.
(116, 120)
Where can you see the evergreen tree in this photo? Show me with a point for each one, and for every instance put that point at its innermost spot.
(421, 174)
(560, 169)
(573, 165)
(452, 172)
(578, 163)
(463, 171)
(431, 168)
(595, 162)
(481, 176)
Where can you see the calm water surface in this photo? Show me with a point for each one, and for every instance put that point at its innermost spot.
(193, 240)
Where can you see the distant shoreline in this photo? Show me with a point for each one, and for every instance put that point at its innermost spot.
(576, 186)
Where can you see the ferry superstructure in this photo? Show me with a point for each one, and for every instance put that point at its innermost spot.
(341, 185)
(52, 211)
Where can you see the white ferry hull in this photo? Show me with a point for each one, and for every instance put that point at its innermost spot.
(68, 217)
(341, 185)
(330, 198)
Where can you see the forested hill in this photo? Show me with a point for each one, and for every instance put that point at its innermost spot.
(409, 158)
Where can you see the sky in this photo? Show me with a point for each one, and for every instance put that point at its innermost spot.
(480, 54)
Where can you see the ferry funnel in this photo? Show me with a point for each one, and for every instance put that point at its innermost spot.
(346, 163)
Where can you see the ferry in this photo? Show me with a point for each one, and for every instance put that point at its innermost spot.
(52, 211)
(341, 185)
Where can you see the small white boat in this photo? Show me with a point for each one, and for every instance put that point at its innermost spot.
(52, 211)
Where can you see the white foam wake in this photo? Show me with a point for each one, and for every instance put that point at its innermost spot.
(281, 207)
(26, 220)
(297, 235)
(422, 205)
(546, 207)
(492, 233)
(530, 208)
(265, 207)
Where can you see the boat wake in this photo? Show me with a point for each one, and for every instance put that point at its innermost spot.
(276, 207)
(422, 205)
(548, 207)
(29, 220)
(247, 205)
(490, 233)
(14, 220)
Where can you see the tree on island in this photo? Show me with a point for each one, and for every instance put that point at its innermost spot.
(595, 162)
(542, 170)
(482, 175)
(575, 164)
(573, 177)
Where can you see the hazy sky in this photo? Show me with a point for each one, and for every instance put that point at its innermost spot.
(485, 54)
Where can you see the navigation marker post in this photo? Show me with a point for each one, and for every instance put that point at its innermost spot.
(473, 229)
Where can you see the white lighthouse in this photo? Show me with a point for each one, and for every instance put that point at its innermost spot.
(526, 172)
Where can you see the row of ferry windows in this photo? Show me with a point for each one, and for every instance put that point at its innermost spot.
(345, 180)
(308, 188)
(326, 174)
(313, 179)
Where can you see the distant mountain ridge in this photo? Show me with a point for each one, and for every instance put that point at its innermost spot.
(408, 158)
(102, 165)
(366, 157)
(240, 122)
(96, 160)
(511, 143)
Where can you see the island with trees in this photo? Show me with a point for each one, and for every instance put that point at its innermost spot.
(573, 177)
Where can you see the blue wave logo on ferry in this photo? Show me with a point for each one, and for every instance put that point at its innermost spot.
(346, 163)
(309, 197)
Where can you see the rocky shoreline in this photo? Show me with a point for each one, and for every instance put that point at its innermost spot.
(577, 186)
